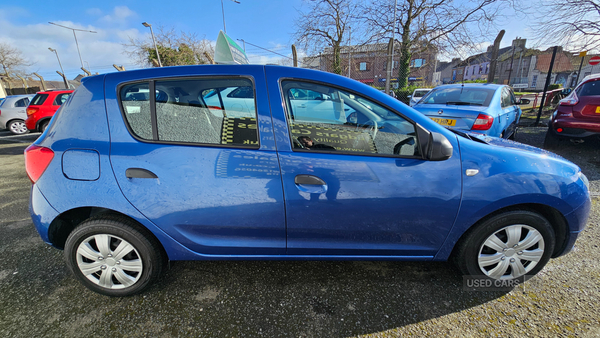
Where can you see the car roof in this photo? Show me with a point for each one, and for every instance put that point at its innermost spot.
(590, 77)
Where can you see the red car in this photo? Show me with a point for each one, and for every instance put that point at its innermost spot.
(578, 115)
(43, 106)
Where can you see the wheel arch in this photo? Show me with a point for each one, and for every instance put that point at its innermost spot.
(554, 217)
(65, 223)
(41, 121)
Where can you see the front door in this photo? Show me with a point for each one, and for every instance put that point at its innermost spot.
(206, 173)
(357, 185)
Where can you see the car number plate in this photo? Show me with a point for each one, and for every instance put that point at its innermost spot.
(444, 122)
(598, 110)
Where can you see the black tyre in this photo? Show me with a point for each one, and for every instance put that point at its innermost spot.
(513, 135)
(17, 127)
(44, 125)
(551, 141)
(508, 246)
(113, 257)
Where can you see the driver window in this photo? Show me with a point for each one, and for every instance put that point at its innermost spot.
(326, 119)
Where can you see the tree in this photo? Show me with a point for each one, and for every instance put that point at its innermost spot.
(175, 49)
(426, 25)
(324, 25)
(569, 23)
(11, 60)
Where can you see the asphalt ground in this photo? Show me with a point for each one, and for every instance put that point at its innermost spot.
(40, 298)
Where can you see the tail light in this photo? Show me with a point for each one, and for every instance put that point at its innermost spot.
(31, 111)
(483, 122)
(37, 160)
(570, 100)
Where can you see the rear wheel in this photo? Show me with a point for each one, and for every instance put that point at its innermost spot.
(551, 141)
(44, 125)
(508, 246)
(113, 257)
(17, 127)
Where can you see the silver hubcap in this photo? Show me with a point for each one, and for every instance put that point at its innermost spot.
(109, 261)
(18, 127)
(511, 252)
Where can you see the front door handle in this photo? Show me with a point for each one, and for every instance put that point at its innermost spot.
(308, 180)
(139, 173)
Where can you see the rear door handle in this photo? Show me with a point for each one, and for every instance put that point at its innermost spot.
(308, 180)
(139, 173)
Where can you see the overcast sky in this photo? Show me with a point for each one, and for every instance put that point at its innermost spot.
(265, 23)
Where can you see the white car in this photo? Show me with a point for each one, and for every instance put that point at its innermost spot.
(417, 95)
(13, 113)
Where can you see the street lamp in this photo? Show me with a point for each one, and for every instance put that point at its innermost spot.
(153, 40)
(223, 12)
(75, 35)
(61, 68)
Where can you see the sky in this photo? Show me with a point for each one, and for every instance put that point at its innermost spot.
(265, 23)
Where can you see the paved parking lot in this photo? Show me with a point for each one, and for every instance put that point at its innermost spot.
(39, 297)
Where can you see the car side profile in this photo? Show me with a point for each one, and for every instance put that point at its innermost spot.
(484, 108)
(13, 115)
(577, 116)
(43, 106)
(143, 167)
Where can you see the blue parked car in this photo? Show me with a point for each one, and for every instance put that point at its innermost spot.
(317, 167)
(484, 108)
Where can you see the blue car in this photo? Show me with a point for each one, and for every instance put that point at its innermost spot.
(484, 108)
(285, 164)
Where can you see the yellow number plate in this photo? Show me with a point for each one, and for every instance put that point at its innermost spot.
(444, 122)
(597, 110)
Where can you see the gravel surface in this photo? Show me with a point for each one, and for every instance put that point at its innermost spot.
(40, 298)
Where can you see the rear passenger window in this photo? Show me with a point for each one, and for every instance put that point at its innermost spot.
(203, 111)
(61, 98)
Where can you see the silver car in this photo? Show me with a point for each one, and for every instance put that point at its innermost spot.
(13, 113)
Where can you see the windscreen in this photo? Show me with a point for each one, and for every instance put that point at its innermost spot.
(460, 96)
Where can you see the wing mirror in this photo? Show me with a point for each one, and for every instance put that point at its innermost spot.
(434, 146)
(524, 101)
(567, 91)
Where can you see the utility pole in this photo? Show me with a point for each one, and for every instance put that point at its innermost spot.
(75, 35)
(582, 56)
(537, 120)
(494, 57)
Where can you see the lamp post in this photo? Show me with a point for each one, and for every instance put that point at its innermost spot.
(153, 40)
(223, 12)
(75, 35)
(61, 68)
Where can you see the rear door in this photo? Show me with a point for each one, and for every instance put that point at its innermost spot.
(207, 177)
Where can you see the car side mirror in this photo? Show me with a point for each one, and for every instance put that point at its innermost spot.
(524, 101)
(408, 96)
(439, 149)
(566, 91)
(434, 146)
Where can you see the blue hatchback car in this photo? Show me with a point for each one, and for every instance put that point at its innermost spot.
(248, 162)
(484, 108)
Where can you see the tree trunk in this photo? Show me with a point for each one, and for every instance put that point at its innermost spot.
(337, 62)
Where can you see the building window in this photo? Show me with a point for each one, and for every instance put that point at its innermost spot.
(417, 63)
(362, 66)
(534, 81)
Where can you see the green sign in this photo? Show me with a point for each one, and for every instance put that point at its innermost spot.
(228, 52)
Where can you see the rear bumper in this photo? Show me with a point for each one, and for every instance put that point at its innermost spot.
(576, 128)
(42, 213)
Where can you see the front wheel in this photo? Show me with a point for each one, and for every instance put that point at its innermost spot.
(44, 125)
(113, 257)
(508, 246)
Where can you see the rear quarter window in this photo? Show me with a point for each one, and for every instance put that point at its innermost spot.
(39, 99)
